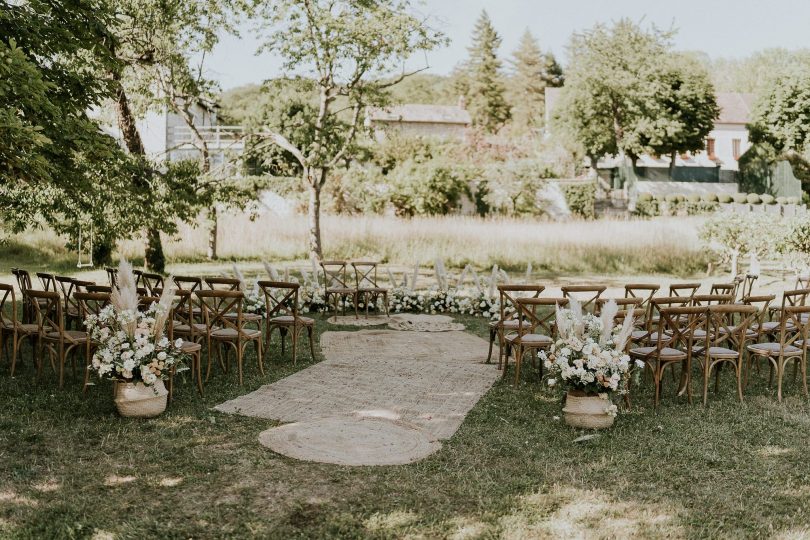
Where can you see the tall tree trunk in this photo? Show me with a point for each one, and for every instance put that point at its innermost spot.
(129, 131)
(212, 233)
(314, 212)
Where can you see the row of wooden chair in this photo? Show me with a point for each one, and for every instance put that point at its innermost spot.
(669, 330)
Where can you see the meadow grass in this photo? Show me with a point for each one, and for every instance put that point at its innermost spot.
(71, 468)
(665, 245)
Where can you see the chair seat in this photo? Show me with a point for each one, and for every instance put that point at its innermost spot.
(250, 317)
(772, 326)
(190, 347)
(530, 340)
(27, 328)
(667, 353)
(288, 320)
(230, 333)
(773, 349)
(377, 290)
(637, 335)
(185, 329)
(717, 352)
(340, 290)
(70, 335)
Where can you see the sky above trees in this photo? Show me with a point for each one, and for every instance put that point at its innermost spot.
(720, 28)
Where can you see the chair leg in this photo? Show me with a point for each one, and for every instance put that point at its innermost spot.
(311, 335)
(197, 359)
(283, 333)
(385, 301)
(518, 362)
(492, 334)
(780, 371)
(61, 361)
(738, 365)
(355, 298)
(804, 373)
(208, 353)
(295, 340)
(258, 343)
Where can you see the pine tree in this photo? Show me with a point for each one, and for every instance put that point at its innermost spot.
(527, 84)
(485, 90)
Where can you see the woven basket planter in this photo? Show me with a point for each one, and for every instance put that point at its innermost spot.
(136, 400)
(587, 411)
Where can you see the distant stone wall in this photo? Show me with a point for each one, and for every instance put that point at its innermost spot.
(686, 188)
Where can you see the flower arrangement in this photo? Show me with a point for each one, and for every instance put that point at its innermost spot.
(132, 346)
(589, 353)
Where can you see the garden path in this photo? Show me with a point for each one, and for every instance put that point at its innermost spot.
(380, 397)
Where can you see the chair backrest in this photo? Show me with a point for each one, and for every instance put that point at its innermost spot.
(746, 286)
(6, 295)
(712, 299)
(683, 289)
(138, 277)
(91, 303)
(112, 276)
(508, 295)
(645, 291)
(219, 307)
(223, 283)
(81, 285)
(728, 325)
(48, 308)
(661, 303)
(334, 274)
(761, 303)
(586, 295)
(188, 282)
(678, 326)
(47, 280)
(365, 274)
(146, 301)
(23, 279)
(152, 282)
(794, 298)
(794, 325)
(529, 320)
(280, 298)
(66, 286)
(724, 288)
(802, 282)
(99, 288)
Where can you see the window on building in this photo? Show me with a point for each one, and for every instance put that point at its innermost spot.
(710, 148)
(735, 148)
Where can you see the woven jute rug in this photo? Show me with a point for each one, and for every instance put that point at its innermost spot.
(414, 322)
(350, 320)
(425, 380)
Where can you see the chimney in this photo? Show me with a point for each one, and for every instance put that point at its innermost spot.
(462, 102)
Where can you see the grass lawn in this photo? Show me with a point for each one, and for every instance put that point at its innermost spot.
(71, 468)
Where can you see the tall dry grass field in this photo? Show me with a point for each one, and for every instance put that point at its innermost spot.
(667, 245)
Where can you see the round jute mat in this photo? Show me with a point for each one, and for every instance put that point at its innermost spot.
(418, 322)
(351, 440)
(349, 320)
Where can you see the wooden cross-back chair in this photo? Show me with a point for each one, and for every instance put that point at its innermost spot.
(508, 314)
(792, 344)
(336, 285)
(281, 306)
(683, 289)
(88, 304)
(24, 284)
(138, 277)
(712, 299)
(112, 276)
(793, 298)
(535, 331)
(183, 324)
(586, 295)
(632, 302)
(645, 291)
(152, 283)
(66, 286)
(724, 343)
(368, 288)
(221, 283)
(53, 335)
(802, 282)
(649, 333)
(745, 288)
(190, 283)
(11, 326)
(673, 345)
(762, 304)
(145, 302)
(224, 329)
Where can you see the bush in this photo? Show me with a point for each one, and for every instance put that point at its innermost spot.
(710, 197)
(693, 198)
(782, 200)
(645, 197)
(512, 187)
(581, 199)
(700, 207)
(740, 198)
(753, 198)
(725, 198)
(647, 206)
(431, 188)
(767, 199)
(793, 200)
(672, 198)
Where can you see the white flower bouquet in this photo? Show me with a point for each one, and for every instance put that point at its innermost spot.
(131, 345)
(589, 353)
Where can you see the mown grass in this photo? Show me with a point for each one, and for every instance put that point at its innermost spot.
(71, 468)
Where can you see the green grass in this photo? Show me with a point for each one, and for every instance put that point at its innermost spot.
(71, 468)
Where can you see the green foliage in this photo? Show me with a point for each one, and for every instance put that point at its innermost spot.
(580, 198)
(532, 72)
(431, 188)
(780, 114)
(484, 90)
(512, 186)
(647, 206)
(730, 235)
(627, 92)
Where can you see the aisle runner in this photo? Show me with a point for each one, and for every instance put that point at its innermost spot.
(380, 397)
